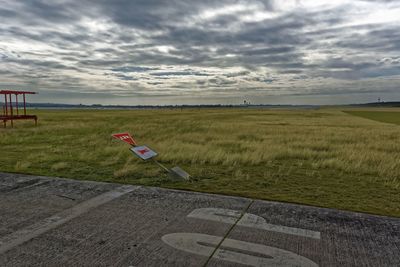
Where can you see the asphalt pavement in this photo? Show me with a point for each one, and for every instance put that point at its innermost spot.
(46, 221)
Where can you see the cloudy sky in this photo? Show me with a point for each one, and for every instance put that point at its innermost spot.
(188, 52)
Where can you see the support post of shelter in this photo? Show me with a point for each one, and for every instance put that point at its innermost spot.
(16, 103)
(11, 112)
(24, 105)
(6, 106)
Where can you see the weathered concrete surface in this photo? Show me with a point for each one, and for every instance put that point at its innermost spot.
(59, 222)
(25, 200)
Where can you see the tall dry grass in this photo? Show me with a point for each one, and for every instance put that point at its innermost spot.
(238, 151)
(318, 138)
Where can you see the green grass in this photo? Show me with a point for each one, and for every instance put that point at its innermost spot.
(324, 157)
(382, 116)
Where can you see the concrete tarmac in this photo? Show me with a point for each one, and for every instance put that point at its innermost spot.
(48, 221)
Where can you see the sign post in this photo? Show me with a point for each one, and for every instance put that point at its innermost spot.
(146, 153)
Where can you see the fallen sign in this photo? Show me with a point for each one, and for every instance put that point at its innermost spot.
(146, 154)
(125, 137)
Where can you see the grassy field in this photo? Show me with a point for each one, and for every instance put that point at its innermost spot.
(387, 116)
(347, 160)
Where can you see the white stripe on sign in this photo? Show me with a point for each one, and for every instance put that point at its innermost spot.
(249, 220)
(235, 251)
(21, 236)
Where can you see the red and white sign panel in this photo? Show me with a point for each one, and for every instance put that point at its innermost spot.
(125, 137)
(144, 152)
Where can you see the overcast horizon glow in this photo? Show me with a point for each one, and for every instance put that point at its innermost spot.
(201, 52)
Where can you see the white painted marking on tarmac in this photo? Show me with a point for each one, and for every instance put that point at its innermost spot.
(235, 251)
(249, 220)
(21, 236)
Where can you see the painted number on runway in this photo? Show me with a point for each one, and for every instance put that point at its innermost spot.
(249, 220)
(237, 251)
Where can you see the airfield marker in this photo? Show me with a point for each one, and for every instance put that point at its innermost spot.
(146, 154)
(125, 137)
(143, 152)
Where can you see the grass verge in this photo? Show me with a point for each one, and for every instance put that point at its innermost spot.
(324, 157)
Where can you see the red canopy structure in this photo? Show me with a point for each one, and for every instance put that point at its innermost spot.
(11, 113)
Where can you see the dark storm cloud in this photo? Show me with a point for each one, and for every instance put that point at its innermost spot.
(46, 64)
(264, 51)
(7, 13)
(42, 11)
(154, 47)
(124, 77)
(156, 14)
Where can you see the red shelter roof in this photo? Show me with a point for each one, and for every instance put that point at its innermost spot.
(6, 92)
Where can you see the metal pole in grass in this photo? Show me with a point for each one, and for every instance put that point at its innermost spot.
(161, 166)
(146, 153)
